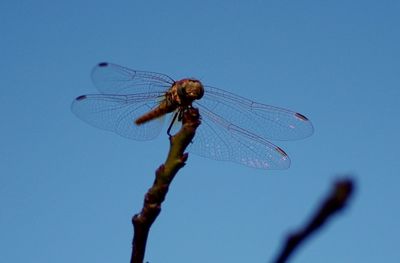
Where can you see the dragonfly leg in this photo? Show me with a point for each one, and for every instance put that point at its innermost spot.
(172, 123)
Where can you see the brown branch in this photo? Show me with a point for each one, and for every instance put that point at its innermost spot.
(335, 202)
(164, 176)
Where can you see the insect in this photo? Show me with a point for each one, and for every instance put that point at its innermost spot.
(133, 104)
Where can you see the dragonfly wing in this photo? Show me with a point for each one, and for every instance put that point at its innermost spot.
(114, 79)
(264, 120)
(117, 113)
(218, 139)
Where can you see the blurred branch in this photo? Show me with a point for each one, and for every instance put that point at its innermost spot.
(164, 175)
(335, 202)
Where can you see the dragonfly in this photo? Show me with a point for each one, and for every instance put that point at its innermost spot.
(134, 103)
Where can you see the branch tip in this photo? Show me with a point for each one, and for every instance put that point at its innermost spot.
(165, 173)
(334, 202)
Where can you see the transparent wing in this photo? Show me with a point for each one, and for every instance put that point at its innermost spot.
(117, 113)
(114, 79)
(233, 128)
(218, 139)
(264, 120)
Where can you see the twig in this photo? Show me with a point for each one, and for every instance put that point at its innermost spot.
(335, 202)
(164, 175)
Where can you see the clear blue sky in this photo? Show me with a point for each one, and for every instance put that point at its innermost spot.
(68, 190)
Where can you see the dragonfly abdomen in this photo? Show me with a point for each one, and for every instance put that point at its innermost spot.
(155, 113)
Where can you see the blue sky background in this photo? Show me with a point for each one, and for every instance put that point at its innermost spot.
(68, 190)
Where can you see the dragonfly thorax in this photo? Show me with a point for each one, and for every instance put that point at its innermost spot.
(187, 90)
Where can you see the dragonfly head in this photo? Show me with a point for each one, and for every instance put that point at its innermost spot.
(190, 90)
